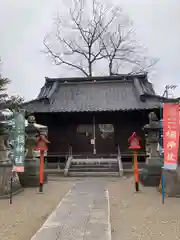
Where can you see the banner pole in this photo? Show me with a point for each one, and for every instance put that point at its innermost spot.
(11, 183)
(162, 174)
(163, 190)
(41, 172)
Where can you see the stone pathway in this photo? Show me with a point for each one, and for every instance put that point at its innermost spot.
(83, 214)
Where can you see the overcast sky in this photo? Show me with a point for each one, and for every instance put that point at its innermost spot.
(23, 25)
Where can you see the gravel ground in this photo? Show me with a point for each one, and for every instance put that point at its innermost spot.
(136, 216)
(29, 210)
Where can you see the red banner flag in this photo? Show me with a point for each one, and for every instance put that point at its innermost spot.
(171, 135)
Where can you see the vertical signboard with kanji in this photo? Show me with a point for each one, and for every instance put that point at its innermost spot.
(171, 135)
(19, 141)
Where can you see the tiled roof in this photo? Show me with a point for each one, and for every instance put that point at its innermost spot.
(83, 96)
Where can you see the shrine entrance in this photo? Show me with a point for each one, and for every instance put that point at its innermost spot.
(96, 138)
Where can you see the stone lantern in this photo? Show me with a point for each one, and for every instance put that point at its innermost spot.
(6, 158)
(5, 126)
(152, 130)
(151, 173)
(30, 176)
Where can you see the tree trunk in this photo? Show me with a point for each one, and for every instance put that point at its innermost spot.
(110, 69)
(90, 69)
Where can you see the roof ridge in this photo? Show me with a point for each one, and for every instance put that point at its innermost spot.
(97, 78)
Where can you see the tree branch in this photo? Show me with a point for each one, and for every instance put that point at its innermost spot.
(59, 60)
(94, 32)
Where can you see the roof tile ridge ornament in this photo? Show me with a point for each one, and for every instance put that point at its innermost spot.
(143, 88)
(46, 79)
(138, 85)
(54, 87)
(48, 89)
(138, 90)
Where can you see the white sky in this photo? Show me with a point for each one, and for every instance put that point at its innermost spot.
(23, 25)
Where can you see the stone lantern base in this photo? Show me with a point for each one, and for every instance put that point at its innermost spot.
(150, 175)
(5, 181)
(171, 182)
(30, 177)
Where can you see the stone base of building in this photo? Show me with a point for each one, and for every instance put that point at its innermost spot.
(30, 177)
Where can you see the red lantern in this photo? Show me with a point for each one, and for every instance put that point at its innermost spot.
(42, 143)
(134, 142)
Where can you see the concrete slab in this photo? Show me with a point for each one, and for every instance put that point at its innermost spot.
(84, 213)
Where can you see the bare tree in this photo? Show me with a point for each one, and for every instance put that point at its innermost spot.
(122, 51)
(93, 33)
(81, 48)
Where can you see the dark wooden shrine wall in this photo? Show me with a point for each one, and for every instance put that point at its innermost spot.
(62, 130)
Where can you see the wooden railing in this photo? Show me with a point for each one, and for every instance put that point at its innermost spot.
(68, 162)
(119, 161)
(70, 150)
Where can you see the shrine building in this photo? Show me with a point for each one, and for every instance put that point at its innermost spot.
(93, 117)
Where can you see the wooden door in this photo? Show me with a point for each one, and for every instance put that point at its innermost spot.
(105, 142)
(82, 139)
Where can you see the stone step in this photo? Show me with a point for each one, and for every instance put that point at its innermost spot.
(94, 165)
(94, 160)
(130, 165)
(93, 169)
(93, 174)
(54, 171)
(99, 167)
(55, 165)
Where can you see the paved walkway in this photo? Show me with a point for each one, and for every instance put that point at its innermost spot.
(83, 214)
